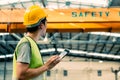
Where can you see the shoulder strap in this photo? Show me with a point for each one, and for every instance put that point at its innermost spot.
(28, 41)
(30, 48)
(37, 46)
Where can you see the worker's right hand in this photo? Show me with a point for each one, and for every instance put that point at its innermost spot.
(52, 62)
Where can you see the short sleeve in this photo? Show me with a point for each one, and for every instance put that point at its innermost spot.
(24, 53)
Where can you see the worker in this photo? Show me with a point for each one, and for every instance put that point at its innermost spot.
(27, 62)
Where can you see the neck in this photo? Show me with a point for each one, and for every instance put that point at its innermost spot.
(35, 35)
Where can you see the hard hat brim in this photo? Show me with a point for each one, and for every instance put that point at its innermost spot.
(36, 24)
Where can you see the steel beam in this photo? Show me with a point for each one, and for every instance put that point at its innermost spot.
(68, 42)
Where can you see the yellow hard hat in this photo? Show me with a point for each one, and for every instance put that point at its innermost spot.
(33, 15)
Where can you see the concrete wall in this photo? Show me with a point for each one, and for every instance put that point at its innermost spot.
(76, 70)
(8, 73)
(84, 71)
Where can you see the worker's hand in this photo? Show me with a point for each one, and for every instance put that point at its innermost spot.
(52, 62)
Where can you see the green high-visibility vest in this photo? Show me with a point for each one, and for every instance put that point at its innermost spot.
(36, 59)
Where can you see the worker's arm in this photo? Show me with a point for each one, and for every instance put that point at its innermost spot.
(25, 73)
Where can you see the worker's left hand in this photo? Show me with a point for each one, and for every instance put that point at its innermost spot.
(52, 62)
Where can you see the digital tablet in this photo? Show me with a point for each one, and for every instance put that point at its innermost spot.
(64, 53)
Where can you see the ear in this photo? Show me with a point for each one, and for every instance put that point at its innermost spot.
(41, 26)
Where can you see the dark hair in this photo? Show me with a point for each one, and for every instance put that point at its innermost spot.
(43, 21)
(35, 28)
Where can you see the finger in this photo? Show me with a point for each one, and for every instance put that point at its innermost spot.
(57, 61)
(53, 58)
